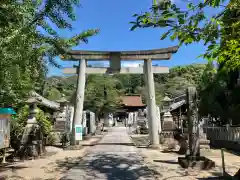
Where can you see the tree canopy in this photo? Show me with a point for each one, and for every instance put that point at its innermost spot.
(174, 83)
(29, 43)
(219, 31)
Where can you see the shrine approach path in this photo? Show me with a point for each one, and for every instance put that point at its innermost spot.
(113, 158)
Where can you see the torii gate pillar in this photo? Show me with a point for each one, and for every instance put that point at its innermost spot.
(78, 112)
(151, 103)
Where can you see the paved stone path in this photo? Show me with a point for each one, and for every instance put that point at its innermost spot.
(113, 158)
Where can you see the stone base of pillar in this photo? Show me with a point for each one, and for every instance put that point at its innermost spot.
(167, 138)
(197, 162)
(152, 146)
(30, 143)
(167, 135)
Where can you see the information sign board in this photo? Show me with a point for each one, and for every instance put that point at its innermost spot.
(78, 132)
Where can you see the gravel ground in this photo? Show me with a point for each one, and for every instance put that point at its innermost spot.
(113, 158)
(166, 164)
(47, 168)
(122, 158)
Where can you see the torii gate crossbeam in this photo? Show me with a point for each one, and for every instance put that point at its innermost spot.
(115, 58)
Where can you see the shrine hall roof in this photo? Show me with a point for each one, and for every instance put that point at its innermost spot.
(132, 101)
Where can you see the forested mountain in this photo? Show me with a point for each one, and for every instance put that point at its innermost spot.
(179, 78)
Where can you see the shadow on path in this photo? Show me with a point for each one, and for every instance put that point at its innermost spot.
(108, 144)
(166, 161)
(11, 167)
(108, 167)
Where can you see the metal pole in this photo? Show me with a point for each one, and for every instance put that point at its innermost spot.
(151, 101)
(78, 110)
(223, 162)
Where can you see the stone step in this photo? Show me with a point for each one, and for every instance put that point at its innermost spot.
(204, 142)
(204, 146)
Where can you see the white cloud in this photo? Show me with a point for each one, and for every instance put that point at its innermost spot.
(123, 63)
(131, 64)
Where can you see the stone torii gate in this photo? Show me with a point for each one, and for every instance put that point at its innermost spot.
(115, 58)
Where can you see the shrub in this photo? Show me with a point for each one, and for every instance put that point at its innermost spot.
(19, 122)
(51, 139)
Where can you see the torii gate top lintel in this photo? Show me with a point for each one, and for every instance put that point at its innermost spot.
(154, 54)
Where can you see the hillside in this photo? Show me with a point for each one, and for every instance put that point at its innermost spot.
(173, 83)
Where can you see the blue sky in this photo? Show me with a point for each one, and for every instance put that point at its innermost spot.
(112, 18)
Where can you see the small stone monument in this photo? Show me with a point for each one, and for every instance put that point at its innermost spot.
(159, 120)
(130, 118)
(84, 121)
(204, 143)
(69, 118)
(142, 123)
(92, 123)
(60, 125)
(135, 117)
(110, 119)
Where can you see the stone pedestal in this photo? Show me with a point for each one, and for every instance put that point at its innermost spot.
(168, 123)
(168, 127)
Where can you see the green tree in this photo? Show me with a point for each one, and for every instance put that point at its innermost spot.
(220, 32)
(26, 52)
(54, 94)
(19, 123)
(130, 82)
(173, 83)
(101, 94)
(219, 95)
(159, 93)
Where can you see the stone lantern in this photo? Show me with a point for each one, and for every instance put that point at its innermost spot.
(32, 137)
(61, 117)
(63, 103)
(168, 124)
(166, 103)
(32, 101)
